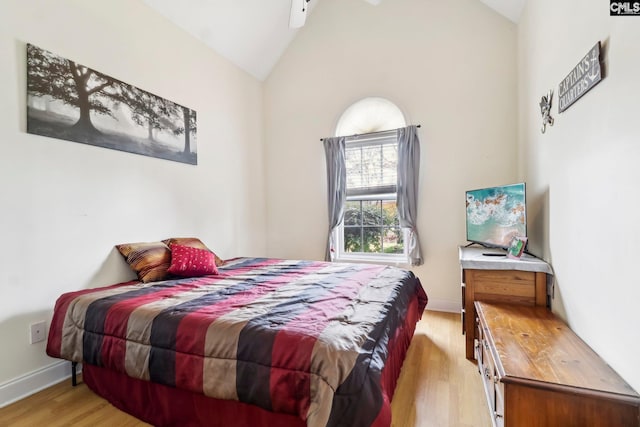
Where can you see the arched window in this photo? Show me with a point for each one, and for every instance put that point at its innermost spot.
(370, 229)
(370, 115)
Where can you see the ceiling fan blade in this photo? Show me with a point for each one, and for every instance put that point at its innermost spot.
(298, 14)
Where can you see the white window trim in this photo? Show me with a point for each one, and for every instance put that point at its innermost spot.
(376, 258)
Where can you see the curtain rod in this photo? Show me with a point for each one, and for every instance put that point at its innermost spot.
(370, 133)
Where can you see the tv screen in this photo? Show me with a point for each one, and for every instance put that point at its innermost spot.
(496, 215)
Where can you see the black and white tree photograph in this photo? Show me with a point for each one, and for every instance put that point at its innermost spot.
(66, 100)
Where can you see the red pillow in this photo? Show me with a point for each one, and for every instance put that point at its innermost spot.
(187, 261)
(194, 242)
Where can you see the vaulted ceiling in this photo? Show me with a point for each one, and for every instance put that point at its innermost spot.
(253, 34)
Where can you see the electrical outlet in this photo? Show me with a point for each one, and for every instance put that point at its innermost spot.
(38, 332)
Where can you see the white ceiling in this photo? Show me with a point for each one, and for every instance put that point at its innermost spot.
(511, 9)
(253, 34)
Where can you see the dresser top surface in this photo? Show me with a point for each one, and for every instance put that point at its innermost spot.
(475, 258)
(534, 345)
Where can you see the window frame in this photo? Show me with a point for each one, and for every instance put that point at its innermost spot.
(381, 138)
(378, 258)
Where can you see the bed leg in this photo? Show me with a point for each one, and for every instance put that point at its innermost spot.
(74, 380)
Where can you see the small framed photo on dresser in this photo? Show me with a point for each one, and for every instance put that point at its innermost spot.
(516, 248)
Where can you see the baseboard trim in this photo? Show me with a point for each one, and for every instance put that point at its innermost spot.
(33, 382)
(443, 305)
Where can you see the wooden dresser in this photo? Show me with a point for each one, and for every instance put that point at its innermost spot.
(537, 372)
(498, 279)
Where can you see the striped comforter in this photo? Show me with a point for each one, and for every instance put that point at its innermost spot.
(301, 337)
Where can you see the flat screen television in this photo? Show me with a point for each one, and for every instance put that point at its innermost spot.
(495, 215)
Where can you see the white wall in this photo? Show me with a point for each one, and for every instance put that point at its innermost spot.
(65, 205)
(583, 172)
(450, 66)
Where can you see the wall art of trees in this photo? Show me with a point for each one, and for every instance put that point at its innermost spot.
(69, 101)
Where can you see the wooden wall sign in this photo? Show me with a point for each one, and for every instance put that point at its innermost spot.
(581, 79)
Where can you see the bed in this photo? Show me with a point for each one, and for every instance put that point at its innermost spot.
(264, 342)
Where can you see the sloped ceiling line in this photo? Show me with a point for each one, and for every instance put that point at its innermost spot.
(253, 34)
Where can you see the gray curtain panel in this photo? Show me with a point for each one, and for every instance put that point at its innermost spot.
(336, 186)
(408, 178)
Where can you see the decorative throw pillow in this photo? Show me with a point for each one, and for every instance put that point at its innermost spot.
(193, 242)
(150, 260)
(187, 261)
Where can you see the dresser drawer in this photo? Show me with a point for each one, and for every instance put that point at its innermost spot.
(504, 286)
(493, 387)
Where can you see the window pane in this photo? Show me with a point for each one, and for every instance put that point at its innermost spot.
(372, 226)
(372, 212)
(389, 166)
(370, 114)
(353, 162)
(372, 239)
(390, 211)
(393, 241)
(352, 213)
(352, 239)
(371, 166)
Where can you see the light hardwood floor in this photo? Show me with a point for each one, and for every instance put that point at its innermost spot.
(437, 387)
